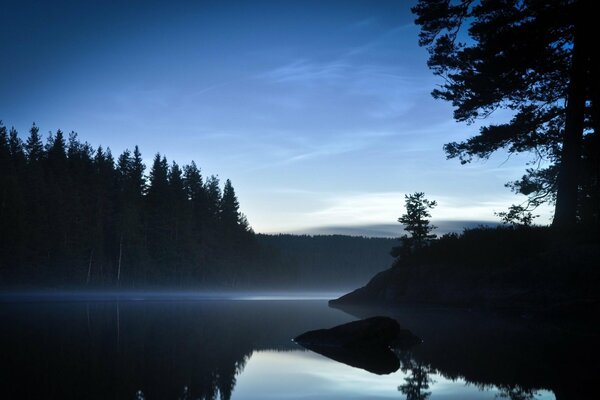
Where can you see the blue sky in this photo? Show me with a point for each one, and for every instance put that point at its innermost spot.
(318, 111)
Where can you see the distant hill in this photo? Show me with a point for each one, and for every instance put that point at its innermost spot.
(322, 261)
(394, 230)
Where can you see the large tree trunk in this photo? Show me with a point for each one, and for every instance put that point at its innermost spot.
(565, 214)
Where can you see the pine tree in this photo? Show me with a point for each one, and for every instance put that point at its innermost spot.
(5, 172)
(34, 221)
(534, 58)
(158, 210)
(34, 147)
(17, 150)
(229, 213)
(57, 149)
(4, 149)
(136, 173)
(416, 222)
(213, 199)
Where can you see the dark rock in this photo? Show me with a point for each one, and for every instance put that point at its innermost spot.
(370, 332)
(406, 339)
(362, 344)
(380, 289)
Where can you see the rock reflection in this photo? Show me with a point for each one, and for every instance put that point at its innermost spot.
(376, 360)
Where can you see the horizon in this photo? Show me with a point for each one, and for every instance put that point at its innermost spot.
(320, 115)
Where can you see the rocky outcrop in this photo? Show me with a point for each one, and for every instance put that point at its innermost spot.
(548, 285)
(362, 344)
(370, 332)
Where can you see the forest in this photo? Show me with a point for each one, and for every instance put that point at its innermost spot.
(73, 215)
(65, 205)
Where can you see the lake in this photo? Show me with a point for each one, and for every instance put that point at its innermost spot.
(239, 347)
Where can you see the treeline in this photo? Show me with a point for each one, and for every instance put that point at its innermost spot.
(322, 261)
(71, 214)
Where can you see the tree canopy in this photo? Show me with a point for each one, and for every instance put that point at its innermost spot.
(536, 59)
(416, 222)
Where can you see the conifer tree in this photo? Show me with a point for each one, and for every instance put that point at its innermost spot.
(136, 173)
(229, 208)
(17, 151)
(213, 198)
(34, 147)
(4, 149)
(535, 59)
(416, 222)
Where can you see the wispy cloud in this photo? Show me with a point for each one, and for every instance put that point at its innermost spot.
(308, 72)
(338, 72)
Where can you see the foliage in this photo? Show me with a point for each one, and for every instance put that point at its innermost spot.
(517, 215)
(474, 248)
(535, 59)
(416, 222)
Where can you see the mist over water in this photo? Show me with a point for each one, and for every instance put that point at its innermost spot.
(163, 295)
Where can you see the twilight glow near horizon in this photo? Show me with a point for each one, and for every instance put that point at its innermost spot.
(318, 111)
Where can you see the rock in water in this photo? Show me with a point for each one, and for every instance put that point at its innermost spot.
(370, 332)
(362, 344)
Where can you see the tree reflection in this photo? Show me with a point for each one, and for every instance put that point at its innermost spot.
(417, 383)
(515, 392)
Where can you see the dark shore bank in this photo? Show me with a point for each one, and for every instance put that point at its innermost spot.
(527, 271)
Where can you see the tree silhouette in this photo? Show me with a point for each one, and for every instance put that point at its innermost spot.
(34, 147)
(535, 59)
(72, 215)
(416, 222)
(230, 215)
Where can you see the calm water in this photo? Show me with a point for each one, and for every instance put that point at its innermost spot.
(214, 348)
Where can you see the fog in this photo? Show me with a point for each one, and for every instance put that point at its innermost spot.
(163, 295)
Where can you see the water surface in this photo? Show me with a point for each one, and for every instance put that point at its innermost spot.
(241, 348)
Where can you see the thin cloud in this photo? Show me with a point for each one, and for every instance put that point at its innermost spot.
(305, 72)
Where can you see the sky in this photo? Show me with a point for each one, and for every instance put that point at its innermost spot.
(319, 112)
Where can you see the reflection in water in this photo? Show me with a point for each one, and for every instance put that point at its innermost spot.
(242, 350)
(417, 380)
(151, 350)
(519, 356)
(516, 393)
(376, 360)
